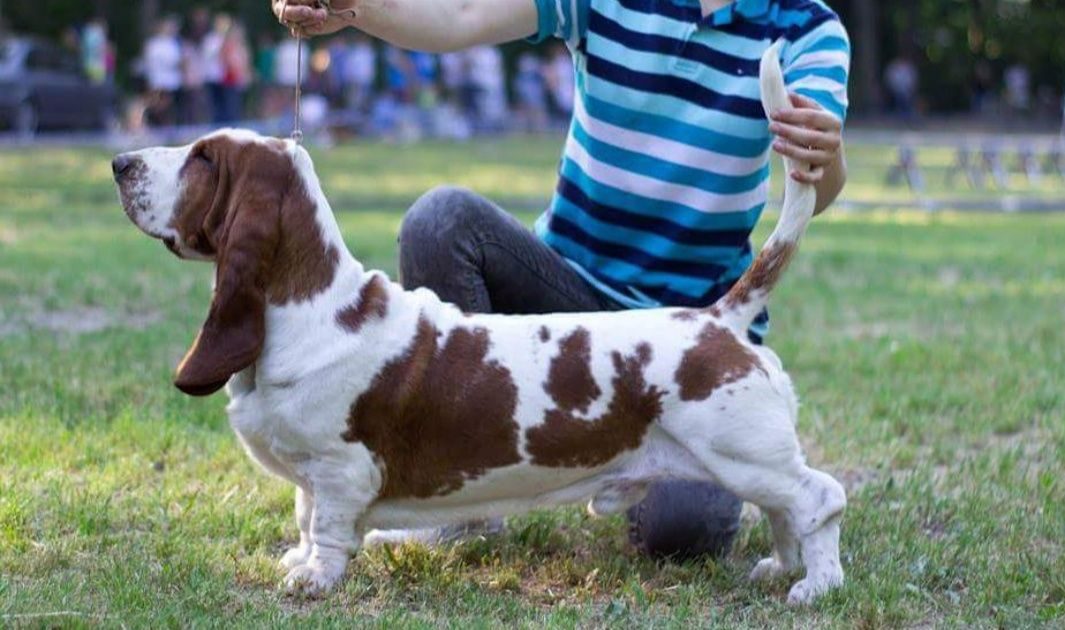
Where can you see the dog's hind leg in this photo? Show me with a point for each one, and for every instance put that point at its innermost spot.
(304, 512)
(816, 514)
(760, 461)
(785, 558)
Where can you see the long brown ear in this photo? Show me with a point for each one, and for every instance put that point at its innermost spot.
(232, 337)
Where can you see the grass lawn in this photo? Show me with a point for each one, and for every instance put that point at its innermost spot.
(929, 350)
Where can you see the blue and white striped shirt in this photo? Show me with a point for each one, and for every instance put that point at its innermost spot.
(666, 168)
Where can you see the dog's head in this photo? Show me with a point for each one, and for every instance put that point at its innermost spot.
(241, 201)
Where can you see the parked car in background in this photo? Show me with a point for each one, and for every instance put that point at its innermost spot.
(43, 86)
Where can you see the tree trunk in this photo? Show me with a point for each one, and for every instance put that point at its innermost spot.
(866, 71)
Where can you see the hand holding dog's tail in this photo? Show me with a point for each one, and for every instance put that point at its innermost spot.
(751, 294)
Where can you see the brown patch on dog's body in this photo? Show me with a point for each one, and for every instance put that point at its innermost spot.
(763, 274)
(716, 360)
(372, 304)
(570, 382)
(567, 441)
(438, 416)
(687, 315)
(545, 334)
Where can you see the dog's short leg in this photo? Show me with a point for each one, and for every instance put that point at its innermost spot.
(340, 498)
(817, 513)
(785, 558)
(304, 511)
(760, 461)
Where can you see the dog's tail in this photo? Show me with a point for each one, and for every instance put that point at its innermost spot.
(751, 294)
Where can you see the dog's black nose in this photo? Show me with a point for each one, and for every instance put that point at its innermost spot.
(121, 164)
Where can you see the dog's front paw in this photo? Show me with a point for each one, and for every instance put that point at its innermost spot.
(315, 577)
(295, 557)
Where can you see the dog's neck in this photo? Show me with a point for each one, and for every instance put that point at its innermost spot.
(301, 317)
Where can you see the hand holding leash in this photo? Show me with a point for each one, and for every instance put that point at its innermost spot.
(307, 18)
(284, 14)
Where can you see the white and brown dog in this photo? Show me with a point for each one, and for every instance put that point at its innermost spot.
(389, 409)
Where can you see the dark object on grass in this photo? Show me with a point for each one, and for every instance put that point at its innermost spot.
(685, 520)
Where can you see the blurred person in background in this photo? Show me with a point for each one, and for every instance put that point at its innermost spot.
(214, 66)
(488, 80)
(97, 52)
(360, 73)
(531, 93)
(426, 93)
(287, 69)
(902, 81)
(453, 76)
(270, 98)
(338, 50)
(162, 68)
(1018, 81)
(194, 107)
(236, 73)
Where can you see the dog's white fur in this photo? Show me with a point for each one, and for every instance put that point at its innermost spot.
(291, 406)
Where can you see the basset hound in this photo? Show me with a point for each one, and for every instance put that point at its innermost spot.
(389, 409)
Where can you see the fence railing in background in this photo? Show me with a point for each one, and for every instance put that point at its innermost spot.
(1006, 172)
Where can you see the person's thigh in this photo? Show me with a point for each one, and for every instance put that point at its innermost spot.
(473, 254)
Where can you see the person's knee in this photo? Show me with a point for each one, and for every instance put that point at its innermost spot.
(438, 214)
(439, 235)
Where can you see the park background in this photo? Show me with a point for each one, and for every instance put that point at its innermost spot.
(922, 323)
(948, 39)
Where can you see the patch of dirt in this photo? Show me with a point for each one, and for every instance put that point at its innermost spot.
(8, 235)
(78, 321)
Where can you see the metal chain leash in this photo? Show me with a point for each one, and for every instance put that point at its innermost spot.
(297, 126)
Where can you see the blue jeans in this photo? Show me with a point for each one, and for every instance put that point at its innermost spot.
(473, 254)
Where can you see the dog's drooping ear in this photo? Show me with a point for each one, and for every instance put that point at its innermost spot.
(232, 337)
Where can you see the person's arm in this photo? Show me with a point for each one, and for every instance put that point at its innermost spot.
(813, 135)
(427, 25)
(816, 69)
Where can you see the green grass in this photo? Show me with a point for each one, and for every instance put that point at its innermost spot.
(929, 350)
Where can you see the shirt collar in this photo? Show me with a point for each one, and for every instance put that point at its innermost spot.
(740, 9)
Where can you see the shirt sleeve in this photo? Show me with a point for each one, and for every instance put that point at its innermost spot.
(564, 19)
(817, 64)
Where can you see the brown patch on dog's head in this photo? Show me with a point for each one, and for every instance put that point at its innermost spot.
(245, 206)
(567, 441)
(763, 275)
(570, 382)
(545, 334)
(717, 359)
(438, 417)
(372, 304)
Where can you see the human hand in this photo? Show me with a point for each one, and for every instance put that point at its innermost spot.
(808, 133)
(308, 18)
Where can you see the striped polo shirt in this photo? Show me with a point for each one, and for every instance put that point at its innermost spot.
(666, 169)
